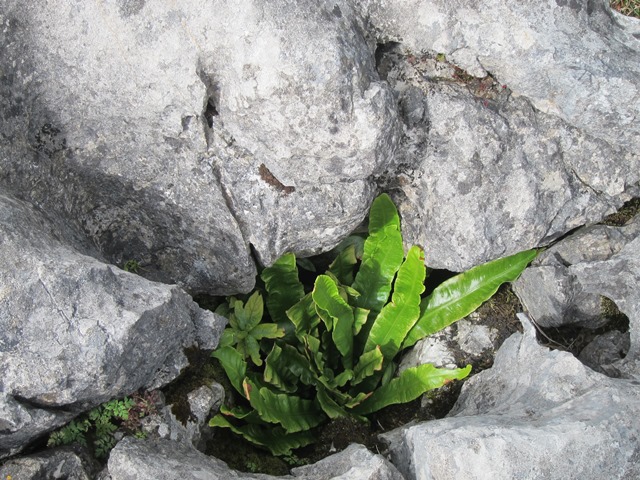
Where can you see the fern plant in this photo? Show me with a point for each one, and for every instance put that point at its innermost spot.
(101, 423)
(332, 352)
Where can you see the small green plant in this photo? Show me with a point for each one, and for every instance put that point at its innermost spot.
(101, 423)
(630, 8)
(333, 351)
(73, 432)
(131, 266)
(245, 330)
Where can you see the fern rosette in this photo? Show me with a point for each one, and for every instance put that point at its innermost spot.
(332, 352)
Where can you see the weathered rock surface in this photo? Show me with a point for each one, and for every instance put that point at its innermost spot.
(62, 463)
(470, 340)
(577, 60)
(484, 174)
(550, 290)
(168, 140)
(536, 414)
(166, 460)
(110, 108)
(353, 463)
(303, 122)
(181, 135)
(202, 403)
(618, 278)
(77, 332)
(605, 351)
(102, 123)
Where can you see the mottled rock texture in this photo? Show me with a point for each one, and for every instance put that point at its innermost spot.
(575, 59)
(167, 138)
(483, 173)
(550, 289)
(200, 138)
(166, 460)
(536, 414)
(59, 463)
(77, 332)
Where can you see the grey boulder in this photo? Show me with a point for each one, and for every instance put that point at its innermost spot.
(103, 110)
(483, 174)
(578, 60)
(536, 414)
(54, 464)
(165, 139)
(618, 278)
(550, 289)
(165, 460)
(77, 332)
(194, 430)
(303, 122)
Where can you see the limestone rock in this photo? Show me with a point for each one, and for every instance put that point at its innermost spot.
(550, 289)
(194, 431)
(104, 109)
(526, 418)
(605, 351)
(353, 463)
(303, 122)
(58, 463)
(166, 460)
(482, 174)
(113, 114)
(77, 332)
(617, 278)
(577, 60)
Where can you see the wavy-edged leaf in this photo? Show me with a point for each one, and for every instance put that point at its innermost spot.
(357, 400)
(360, 316)
(409, 385)
(228, 338)
(334, 382)
(234, 366)
(326, 297)
(239, 412)
(303, 315)
(329, 406)
(295, 414)
(251, 349)
(398, 317)
(275, 439)
(459, 296)
(383, 213)
(325, 316)
(312, 351)
(250, 314)
(276, 372)
(283, 286)
(285, 367)
(383, 255)
(267, 330)
(347, 292)
(341, 379)
(342, 266)
(368, 363)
